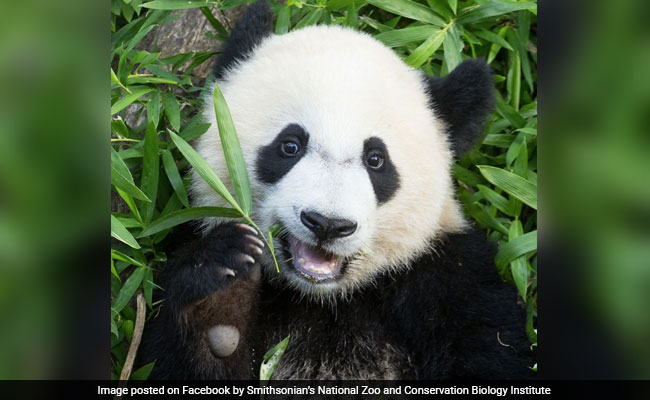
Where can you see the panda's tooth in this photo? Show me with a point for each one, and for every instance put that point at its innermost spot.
(302, 261)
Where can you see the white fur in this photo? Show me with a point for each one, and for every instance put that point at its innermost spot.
(343, 87)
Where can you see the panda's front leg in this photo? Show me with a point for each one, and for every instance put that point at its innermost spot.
(207, 322)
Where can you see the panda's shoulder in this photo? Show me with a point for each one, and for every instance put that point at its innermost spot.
(457, 260)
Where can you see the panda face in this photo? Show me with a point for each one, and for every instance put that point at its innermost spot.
(344, 153)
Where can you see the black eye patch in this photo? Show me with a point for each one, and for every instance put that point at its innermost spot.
(276, 159)
(382, 172)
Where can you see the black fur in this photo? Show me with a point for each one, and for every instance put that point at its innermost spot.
(463, 99)
(254, 26)
(385, 180)
(271, 164)
(449, 316)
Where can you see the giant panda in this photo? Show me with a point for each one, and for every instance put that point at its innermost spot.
(380, 276)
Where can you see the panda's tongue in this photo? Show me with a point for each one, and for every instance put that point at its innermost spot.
(313, 262)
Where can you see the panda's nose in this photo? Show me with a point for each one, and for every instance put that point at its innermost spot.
(327, 228)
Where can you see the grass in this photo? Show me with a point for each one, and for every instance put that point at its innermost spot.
(497, 182)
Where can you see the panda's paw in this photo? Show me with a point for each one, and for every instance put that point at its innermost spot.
(229, 253)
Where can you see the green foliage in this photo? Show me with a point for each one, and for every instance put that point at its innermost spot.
(497, 182)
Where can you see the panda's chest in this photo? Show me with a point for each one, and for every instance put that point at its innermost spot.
(349, 344)
(355, 357)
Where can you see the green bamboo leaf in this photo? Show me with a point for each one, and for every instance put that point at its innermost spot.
(311, 18)
(493, 38)
(119, 181)
(153, 108)
(498, 140)
(351, 15)
(172, 110)
(284, 18)
(497, 200)
(492, 9)
(514, 80)
(453, 47)
(114, 271)
(178, 4)
(515, 37)
(121, 177)
(136, 93)
(188, 214)
(119, 232)
(518, 265)
(514, 149)
(495, 47)
(510, 113)
(216, 24)
(425, 50)
(409, 9)
(128, 260)
(401, 37)
(516, 248)
(174, 177)
(232, 151)
(272, 359)
(142, 373)
(150, 171)
(144, 31)
(116, 80)
(453, 4)
(128, 289)
(521, 161)
(151, 79)
(204, 170)
(194, 128)
(523, 189)
(337, 4)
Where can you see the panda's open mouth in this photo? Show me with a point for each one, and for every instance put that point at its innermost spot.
(313, 263)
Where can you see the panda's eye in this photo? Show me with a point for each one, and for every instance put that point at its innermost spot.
(375, 160)
(290, 148)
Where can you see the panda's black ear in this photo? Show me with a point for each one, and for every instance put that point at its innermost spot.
(463, 99)
(251, 28)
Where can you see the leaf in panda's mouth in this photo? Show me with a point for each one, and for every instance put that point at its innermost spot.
(312, 262)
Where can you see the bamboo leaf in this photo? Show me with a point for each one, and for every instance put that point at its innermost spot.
(400, 37)
(119, 232)
(493, 38)
(128, 289)
(150, 171)
(425, 50)
(121, 177)
(232, 151)
(409, 9)
(272, 359)
(136, 93)
(188, 214)
(204, 170)
(311, 18)
(497, 200)
(282, 23)
(174, 177)
(453, 46)
(172, 110)
(492, 9)
(153, 108)
(518, 265)
(516, 248)
(523, 189)
(178, 4)
(142, 373)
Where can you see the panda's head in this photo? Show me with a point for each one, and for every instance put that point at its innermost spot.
(349, 150)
